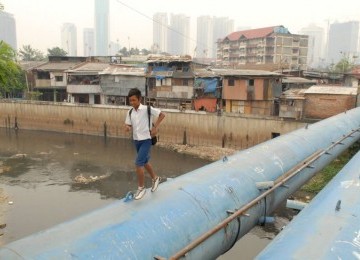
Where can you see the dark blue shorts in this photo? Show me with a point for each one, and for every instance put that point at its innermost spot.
(143, 152)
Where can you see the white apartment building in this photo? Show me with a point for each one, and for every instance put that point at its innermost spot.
(8, 29)
(89, 42)
(69, 39)
(102, 27)
(160, 32)
(204, 37)
(179, 39)
(316, 45)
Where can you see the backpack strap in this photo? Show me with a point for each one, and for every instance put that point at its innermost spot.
(130, 112)
(149, 114)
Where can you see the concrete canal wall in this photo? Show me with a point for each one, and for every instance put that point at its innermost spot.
(196, 128)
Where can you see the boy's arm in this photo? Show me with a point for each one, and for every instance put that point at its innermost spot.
(154, 129)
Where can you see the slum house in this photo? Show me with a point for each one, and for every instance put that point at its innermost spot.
(50, 79)
(292, 103)
(27, 67)
(353, 78)
(84, 83)
(325, 78)
(170, 81)
(251, 91)
(117, 80)
(207, 91)
(326, 101)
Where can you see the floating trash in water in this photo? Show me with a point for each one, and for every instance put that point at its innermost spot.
(82, 179)
(10, 202)
(19, 155)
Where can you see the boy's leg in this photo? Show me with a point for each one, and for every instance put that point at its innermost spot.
(140, 176)
(143, 149)
(150, 170)
(155, 179)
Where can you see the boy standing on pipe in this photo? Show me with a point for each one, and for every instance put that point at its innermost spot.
(137, 119)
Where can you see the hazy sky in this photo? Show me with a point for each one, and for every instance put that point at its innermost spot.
(39, 21)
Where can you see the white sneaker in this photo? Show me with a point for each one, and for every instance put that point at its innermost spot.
(155, 184)
(140, 193)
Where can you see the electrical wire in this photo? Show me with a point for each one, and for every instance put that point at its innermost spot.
(164, 25)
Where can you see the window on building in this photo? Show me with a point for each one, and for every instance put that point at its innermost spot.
(58, 78)
(251, 82)
(43, 75)
(185, 82)
(231, 82)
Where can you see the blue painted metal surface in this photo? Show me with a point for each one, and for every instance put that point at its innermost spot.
(326, 228)
(181, 210)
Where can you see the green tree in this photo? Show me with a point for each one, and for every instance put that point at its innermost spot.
(124, 52)
(27, 53)
(145, 52)
(134, 51)
(56, 51)
(11, 75)
(344, 65)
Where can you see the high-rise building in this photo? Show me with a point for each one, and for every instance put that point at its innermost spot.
(204, 37)
(222, 26)
(69, 39)
(114, 48)
(89, 42)
(316, 44)
(209, 31)
(179, 40)
(343, 40)
(101, 27)
(8, 29)
(160, 32)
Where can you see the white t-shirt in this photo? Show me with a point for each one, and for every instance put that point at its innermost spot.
(140, 121)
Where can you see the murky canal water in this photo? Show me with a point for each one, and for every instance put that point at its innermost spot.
(49, 178)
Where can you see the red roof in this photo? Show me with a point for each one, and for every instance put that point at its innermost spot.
(251, 34)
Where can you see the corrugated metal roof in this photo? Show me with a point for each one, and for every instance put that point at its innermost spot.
(90, 67)
(298, 80)
(121, 70)
(205, 73)
(245, 73)
(29, 65)
(58, 66)
(294, 94)
(168, 58)
(331, 90)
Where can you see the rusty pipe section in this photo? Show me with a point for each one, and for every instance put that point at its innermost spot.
(181, 211)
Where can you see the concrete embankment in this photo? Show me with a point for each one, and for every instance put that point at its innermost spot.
(190, 127)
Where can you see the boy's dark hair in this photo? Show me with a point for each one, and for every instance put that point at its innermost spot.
(134, 92)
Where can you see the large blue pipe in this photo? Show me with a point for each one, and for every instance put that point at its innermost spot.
(163, 223)
(329, 227)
